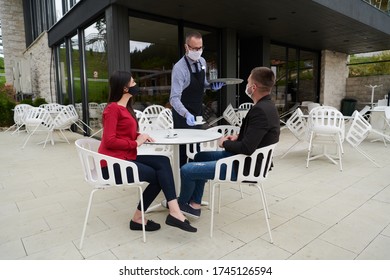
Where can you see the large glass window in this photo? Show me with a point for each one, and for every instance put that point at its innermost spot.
(154, 49)
(96, 62)
(153, 52)
(63, 75)
(296, 76)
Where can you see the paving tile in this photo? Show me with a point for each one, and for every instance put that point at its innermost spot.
(378, 249)
(322, 250)
(296, 233)
(356, 231)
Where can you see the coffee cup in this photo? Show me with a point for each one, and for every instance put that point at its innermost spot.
(199, 119)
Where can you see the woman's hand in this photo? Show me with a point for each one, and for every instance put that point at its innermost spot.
(142, 138)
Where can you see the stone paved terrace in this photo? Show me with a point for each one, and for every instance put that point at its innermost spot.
(317, 213)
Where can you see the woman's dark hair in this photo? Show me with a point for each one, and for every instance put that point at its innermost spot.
(119, 80)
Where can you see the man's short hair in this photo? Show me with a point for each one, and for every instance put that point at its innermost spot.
(193, 34)
(264, 76)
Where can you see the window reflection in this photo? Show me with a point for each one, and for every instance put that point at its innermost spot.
(153, 52)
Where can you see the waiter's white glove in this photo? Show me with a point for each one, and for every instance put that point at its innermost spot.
(190, 119)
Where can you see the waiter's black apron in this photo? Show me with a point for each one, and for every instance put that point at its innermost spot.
(192, 98)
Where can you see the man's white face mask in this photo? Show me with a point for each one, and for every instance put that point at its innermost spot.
(249, 94)
(195, 55)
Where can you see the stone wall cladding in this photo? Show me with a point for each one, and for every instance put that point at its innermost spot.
(42, 75)
(12, 28)
(38, 54)
(334, 72)
(356, 89)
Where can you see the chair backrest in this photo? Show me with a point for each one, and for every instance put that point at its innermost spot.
(230, 116)
(94, 110)
(79, 109)
(64, 119)
(358, 131)
(138, 114)
(326, 117)
(312, 105)
(246, 105)
(53, 108)
(144, 123)
(364, 110)
(92, 162)
(253, 168)
(38, 119)
(20, 112)
(152, 111)
(71, 110)
(164, 120)
(297, 124)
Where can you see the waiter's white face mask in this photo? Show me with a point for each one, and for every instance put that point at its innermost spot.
(195, 55)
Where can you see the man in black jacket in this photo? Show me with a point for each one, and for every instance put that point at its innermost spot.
(260, 128)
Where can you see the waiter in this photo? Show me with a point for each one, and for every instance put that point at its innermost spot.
(188, 86)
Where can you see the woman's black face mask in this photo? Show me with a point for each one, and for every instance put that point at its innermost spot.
(133, 90)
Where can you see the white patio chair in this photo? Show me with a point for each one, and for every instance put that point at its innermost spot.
(297, 124)
(20, 112)
(358, 131)
(192, 149)
(164, 120)
(152, 111)
(231, 116)
(39, 120)
(63, 121)
(260, 163)
(290, 111)
(91, 162)
(326, 127)
(76, 118)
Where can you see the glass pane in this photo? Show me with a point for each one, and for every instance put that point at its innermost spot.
(153, 52)
(75, 58)
(58, 9)
(307, 76)
(96, 70)
(63, 70)
(279, 66)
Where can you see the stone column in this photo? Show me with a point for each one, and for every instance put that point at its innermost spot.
(334, 74)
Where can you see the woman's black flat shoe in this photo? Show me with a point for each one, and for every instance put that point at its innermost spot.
(172, 221)
(150, 226)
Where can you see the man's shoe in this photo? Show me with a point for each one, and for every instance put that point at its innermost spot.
(172, 221)
(187, 210)
(149, 226)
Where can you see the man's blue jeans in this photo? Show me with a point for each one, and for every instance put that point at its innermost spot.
(195, 174)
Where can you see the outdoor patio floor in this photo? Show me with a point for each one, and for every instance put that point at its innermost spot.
(317, 212)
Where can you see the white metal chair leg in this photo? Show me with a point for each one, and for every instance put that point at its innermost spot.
(86, 217)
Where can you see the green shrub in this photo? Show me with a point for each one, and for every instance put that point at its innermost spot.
(38, 101)
(7, 103)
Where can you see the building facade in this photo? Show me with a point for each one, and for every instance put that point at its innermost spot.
(65, 50)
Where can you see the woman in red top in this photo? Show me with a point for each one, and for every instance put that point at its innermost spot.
(121, 138)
